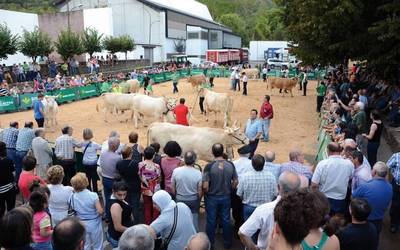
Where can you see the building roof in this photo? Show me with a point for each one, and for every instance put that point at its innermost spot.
(190, 7)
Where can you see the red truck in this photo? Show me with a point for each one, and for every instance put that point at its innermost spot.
(225, 56)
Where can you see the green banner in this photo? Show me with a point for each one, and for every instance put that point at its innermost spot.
(311, 76)
(26, 100)
(7, 104)
(217, 72)
(88, 91)
(104, 87)
(197, 71)
(158, 78)
(66, 95)
(184, 72)
(168, 76)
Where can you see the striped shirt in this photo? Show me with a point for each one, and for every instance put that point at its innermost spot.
(257, 187)
(297, 168)
(394, 165)
(10, 136)
(64, 148)
(25, 137)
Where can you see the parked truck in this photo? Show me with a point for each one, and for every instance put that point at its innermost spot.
(228, 56)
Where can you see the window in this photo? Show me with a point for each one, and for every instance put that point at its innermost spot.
(193, 35)
(204, 35)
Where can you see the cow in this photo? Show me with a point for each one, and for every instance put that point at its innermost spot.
(130, 86)
(253, 73)
(219, 103)
(114, 102)
(155, 107)
(198, 139)
(196, 80)
(282, 83)
(50, 110)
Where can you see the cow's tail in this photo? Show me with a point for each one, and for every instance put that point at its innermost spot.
(97, 107)
(229, 110)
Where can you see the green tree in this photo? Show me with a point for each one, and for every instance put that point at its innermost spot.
(127, 44)
(237, 24)
(91, 39)
(112, 45)
(69, 44)
(8, 42)
(35, 43)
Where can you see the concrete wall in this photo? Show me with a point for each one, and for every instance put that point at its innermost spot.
(17, 22)
(53, 24)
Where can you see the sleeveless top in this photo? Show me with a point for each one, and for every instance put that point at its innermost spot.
(320, 244)
(136, 155)
(126, 219)
(378, 132)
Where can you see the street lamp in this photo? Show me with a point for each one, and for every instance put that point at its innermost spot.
(69, 10)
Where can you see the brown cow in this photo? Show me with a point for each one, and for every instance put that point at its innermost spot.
(282, 83)
(196, 80)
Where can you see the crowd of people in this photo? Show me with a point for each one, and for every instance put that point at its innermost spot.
(152, 200)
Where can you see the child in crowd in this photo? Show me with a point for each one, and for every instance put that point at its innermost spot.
(42, 230)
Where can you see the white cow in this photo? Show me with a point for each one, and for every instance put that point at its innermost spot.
(155, 107)
(114, 102)
(197, 139)
(219, 103)
(50, 108)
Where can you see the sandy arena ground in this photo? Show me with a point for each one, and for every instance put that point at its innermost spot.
(295, 123)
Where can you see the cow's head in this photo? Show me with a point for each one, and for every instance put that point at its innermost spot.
(51, 100)
(237, 136)
(170, 102)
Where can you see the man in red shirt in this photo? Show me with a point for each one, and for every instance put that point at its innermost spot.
(266, 114)
(181, 113)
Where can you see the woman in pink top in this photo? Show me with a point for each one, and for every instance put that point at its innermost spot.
(169, 163)
(42, 230)
(150, 174)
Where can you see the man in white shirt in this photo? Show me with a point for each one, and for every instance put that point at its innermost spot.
(362, 173)
(232, 78)
(263, 216)
(332, 176)
(264, 73)
(242, 166)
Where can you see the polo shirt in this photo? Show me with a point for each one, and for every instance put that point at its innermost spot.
(266, 110)
(261, 219)
(181, 112)
(378, 192)
(37, 106)
(333, 175)
(252, 128)
(25, 137)
(108, 164)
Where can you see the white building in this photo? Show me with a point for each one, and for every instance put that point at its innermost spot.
(157, 26)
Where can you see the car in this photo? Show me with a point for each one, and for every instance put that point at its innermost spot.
(276, 63)
(208, 64)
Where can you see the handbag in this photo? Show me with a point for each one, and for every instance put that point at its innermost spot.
(71, 210)
(161, 244)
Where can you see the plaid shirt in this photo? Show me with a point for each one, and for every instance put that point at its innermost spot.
(394, 165)
(10, 136)
(257, 187)
(25, 137)
(64, 148)
(297, 168)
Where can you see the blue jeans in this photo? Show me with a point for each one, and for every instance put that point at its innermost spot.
(19, 156)
(247, 211)
(11, 154)
(265, 123)
(337, 206)
(42, 246)
(219, 205)
(107, 187)
(113, 242)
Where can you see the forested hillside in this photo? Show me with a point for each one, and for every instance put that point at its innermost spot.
(251, 19)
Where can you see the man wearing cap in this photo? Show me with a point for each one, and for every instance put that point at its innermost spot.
(253, 131)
